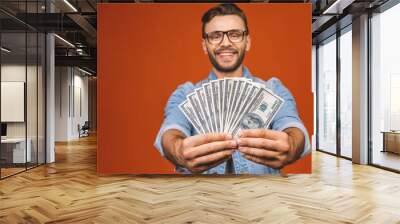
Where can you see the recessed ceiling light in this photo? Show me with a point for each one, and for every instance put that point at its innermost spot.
(70, 5)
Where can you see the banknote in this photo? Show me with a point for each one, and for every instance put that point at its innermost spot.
(262, 111)
(221, 83)
(245, 88)
(194, 101)
(210, 105)
(230, 105)
(228, 97)
(232, 102)
(188, 111)
(215, 103)
(252, 93)
(204, 109)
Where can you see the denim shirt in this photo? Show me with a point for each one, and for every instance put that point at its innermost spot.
(286, 117)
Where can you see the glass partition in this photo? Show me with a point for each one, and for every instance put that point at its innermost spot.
(22, 88)
(346, 93)
(14, 153)
(385, 89)
(41, 107)
(32, 95)
(327, 95)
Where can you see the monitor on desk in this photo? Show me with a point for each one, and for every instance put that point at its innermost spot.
(3, 130)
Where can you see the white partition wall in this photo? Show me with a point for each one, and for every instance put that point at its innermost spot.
(71, 102)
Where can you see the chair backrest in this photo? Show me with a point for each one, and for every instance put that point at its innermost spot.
(86, 124)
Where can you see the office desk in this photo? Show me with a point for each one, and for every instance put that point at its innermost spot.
(391, 141)
(13, 150)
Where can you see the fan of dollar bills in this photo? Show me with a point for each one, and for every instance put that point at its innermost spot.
(229, 105)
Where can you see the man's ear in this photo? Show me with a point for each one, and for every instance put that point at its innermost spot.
(203, 44)
(248, 45)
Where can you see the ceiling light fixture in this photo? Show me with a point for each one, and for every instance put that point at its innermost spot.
(5, 50)
(84, 71)
(70, 5)
(337, 7)
(64, 40)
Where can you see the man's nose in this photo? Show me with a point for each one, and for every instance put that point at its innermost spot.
(225, 40)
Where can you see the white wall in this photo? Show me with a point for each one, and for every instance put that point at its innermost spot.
(79, 117)
(71, 92)
(13, 72)
(61, 103)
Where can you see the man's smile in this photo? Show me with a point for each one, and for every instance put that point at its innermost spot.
(226, 55)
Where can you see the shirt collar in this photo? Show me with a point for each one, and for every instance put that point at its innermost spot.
(246, 74)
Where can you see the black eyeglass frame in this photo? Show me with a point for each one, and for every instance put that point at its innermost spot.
(244, 33)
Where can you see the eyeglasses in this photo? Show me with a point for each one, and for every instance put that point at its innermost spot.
(234, 36)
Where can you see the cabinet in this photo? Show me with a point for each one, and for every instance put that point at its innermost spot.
(391, 141)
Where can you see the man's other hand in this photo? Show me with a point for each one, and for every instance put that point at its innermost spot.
(201, 152)
(271, 148)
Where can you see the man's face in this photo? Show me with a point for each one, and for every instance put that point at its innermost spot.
(226, 56)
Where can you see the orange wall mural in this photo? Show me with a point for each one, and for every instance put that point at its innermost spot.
(146, 50)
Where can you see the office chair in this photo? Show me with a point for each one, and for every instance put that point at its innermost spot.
(84, 130)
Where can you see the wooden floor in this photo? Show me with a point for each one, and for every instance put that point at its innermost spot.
(387, 159)
(70, 191)
(5, 172)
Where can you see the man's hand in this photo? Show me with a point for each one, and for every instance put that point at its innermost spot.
(201, 152)
(271, 148)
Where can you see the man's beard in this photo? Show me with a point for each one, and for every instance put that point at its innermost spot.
(229, 69)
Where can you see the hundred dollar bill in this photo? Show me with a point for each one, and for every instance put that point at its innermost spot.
(187, 110)
(210, 105)
(197, 111)
(221, 83)
(247, 105)
(236, 103)
(228, 90)
(248, 100)
(262, 111)
(232, 96)
(215, 100)
(204, 108)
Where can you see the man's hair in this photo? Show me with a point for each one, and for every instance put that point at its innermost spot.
(223, 10)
